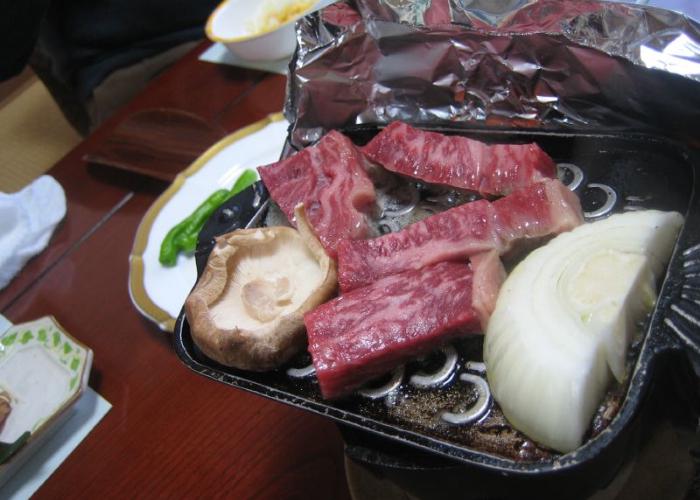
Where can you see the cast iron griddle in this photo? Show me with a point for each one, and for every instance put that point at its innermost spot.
(456, 417)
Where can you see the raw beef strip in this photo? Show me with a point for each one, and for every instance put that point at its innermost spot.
(451, 235)
(489, 275)
(330, 180)
(456, 161)
(367, 332)
(533, 212)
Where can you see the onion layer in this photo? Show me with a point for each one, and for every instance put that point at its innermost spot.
(564, 318)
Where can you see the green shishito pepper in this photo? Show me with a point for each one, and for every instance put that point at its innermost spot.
(168, 250)
(186, 240)
(183, 236)
(247, 178)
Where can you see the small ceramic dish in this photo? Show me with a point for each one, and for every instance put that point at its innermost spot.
(249, 31)
(45, 371)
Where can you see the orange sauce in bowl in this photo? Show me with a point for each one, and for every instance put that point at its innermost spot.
(273, 16)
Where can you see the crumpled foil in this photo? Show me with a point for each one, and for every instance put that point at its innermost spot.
(538, 64)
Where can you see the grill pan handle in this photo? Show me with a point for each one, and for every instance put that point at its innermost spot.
(682, 307)
(679, 299)
(241, 211)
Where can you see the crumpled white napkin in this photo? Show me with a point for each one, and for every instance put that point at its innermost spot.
(27, 221)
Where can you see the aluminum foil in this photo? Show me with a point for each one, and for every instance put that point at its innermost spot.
(544, 64)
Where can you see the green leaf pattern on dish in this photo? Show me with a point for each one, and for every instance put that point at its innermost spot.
(9, 340)
(26, 337)
(63, 348)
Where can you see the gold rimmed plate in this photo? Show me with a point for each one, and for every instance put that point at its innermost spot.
(157, 291)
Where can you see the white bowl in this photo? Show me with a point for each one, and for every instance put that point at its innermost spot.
(232, 21)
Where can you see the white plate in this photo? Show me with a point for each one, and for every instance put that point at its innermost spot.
(157, 291)
(45, 371)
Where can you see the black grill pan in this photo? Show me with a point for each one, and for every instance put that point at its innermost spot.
(643, 172)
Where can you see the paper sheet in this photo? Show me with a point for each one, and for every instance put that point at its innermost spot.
(219, 54)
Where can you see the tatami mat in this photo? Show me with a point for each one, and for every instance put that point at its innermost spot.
(33, 135)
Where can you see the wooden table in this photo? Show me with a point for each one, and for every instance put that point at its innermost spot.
(171, 432)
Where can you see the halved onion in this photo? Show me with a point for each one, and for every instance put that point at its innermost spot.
(564, 318)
